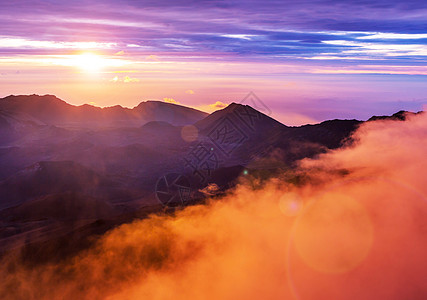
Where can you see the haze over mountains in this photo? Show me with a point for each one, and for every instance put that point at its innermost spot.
(54, 155)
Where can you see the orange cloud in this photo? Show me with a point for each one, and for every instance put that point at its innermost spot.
(191, 92)
(170, 100)
(218, 105)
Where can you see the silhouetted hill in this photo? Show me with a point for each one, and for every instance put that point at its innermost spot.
(51, 110)
(245, 136)
(330, 133)
(399, 116)
(174, 114)
(238, 113)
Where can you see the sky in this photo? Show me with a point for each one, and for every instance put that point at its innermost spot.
(307, 60)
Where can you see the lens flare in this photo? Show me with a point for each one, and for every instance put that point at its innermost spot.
(333, 234)
(189, 133)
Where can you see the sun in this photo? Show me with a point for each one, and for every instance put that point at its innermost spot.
(89, 62)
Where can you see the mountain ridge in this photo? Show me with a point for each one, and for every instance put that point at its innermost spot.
(51, 110)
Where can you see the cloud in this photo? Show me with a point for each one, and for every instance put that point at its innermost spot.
(170, 100)
(18, 43)
(239, 36)
(339, 224)
(119, 53)
(218, 105)
(125, 79)
(211, 107)
(128, 79)
(191, 92)
(152, 57)
(380, 49)
(394, 36)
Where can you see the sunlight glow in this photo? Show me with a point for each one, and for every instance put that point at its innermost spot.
(89, 62)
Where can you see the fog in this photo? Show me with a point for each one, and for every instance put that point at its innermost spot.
(349, 224)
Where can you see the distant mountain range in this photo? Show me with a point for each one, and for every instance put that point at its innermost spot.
(50, 110)
(54, 155)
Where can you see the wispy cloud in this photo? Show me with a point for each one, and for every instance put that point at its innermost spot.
(19, 43)
(388, 35)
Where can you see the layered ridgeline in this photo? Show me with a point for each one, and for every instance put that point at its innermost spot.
(114, 163)
(50, 110)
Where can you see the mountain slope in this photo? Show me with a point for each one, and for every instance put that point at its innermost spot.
(174, 114)
(238, 131)
(44, 178)
(62, 206)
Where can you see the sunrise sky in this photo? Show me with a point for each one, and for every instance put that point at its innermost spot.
(306, 60)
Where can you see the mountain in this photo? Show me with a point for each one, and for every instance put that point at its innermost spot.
(399, 116)
(331, 133)
(254, 135)
(133, 158)
(63, 166)
(50, 110)
(174, 114)
(238, 131)
(239, 113)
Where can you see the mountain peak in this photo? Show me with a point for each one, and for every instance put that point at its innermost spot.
(175, 114)
(243, 112)
(234, 105)
(158, 103)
